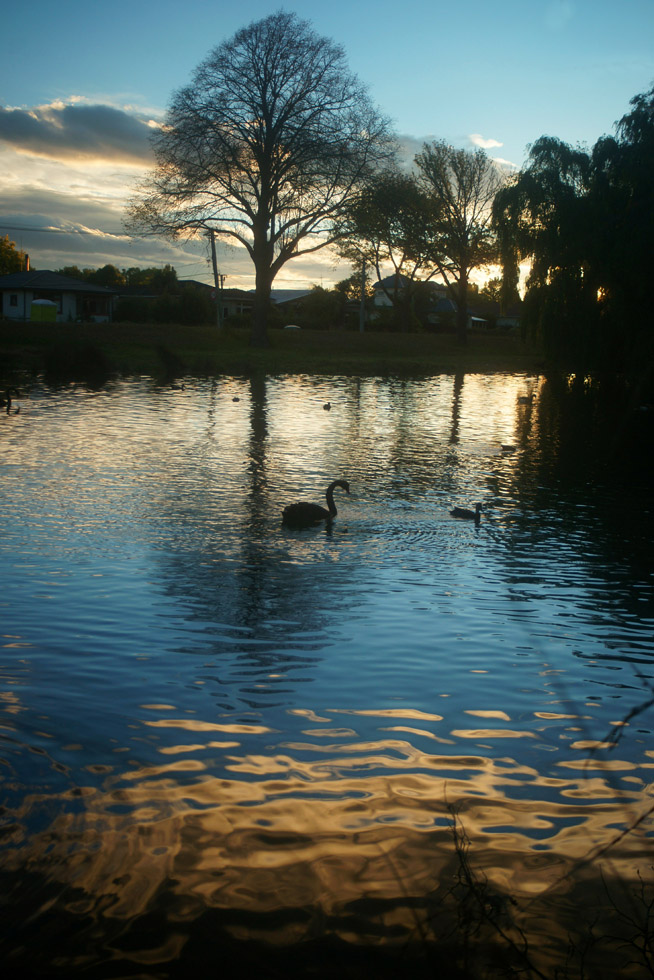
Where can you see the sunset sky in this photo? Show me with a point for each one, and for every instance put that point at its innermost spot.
(83, 84)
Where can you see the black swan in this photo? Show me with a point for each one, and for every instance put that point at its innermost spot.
(327, 407)
(470, 515)
(304, 515)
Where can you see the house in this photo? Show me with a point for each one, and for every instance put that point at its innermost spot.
(443, 312)
(49, 296)
(383, 289)
(290, 302)
(429, 301)
(234, 302)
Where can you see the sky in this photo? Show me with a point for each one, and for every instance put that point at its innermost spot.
(84, 84)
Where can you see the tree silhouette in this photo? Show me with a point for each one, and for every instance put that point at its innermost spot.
(461, 186)
(585, 223)
(265, 147)
(392, 224)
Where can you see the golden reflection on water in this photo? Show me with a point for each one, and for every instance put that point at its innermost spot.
(292, 841)
(318, 822)
(363, 819)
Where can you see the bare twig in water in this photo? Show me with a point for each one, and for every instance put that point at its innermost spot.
(481, 904)
(640, 923)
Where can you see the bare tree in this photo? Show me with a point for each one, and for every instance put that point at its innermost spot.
(266, 146)
(462, 185)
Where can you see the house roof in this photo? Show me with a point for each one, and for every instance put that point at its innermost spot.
(53, 281)
(445, 305)
(242, 294)
(280, 296)
(389, 283)
(194, 282)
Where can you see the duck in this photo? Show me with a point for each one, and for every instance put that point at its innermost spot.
(306, 514)
(465, 514)
(525, 399)
(327, 406)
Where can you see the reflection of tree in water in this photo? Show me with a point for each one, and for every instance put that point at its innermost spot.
(456, 408)
(397, 433)
(557, 487)
(258, 494)
(258, 603)
(583, 453)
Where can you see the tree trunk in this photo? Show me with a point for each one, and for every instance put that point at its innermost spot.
(262, 287)
(462, 311)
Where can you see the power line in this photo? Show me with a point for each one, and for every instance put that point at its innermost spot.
(62, 231)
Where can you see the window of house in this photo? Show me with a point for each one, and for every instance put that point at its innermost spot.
(13, 299)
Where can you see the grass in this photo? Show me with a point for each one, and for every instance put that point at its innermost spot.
(173, 350)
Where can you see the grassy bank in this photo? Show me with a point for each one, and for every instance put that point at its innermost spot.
(174, 351)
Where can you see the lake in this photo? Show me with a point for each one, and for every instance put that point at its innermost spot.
(401, 738)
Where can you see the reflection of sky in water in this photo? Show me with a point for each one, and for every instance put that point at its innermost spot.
(274, 718)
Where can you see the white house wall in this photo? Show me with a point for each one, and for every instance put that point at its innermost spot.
(68, 308)
(15, 312)
(23, 310)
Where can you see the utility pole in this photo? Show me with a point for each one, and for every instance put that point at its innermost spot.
(222, 278)
(217, 281)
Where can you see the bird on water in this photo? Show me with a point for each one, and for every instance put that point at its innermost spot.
(466, 514)
(305, 514)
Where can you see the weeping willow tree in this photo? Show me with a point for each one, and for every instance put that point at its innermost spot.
(543, 217)
(264, 148)
(623, 238)
(584, 221)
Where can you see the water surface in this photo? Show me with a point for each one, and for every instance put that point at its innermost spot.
(213, 726)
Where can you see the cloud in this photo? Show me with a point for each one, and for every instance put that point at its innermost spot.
(47, 207)
(409, 146)
(67, 171)
(505, 165)
(77, 226)
(486, 144)
(77, 131)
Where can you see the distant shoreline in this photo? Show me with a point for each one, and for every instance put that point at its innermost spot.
(173, 350)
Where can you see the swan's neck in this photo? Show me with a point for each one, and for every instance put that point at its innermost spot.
(331, 506)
